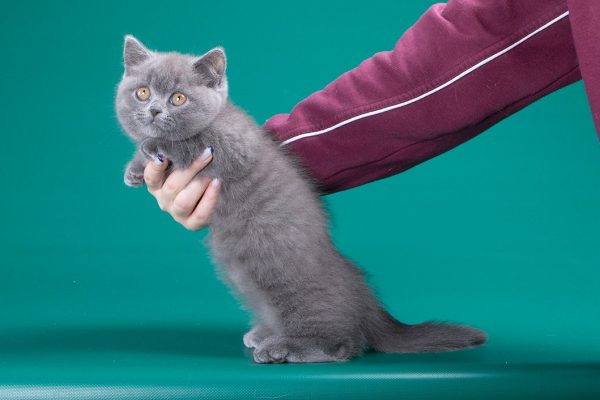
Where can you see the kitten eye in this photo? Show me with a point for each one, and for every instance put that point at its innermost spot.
(142, 93)
(178, 98)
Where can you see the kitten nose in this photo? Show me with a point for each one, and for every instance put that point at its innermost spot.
(155, 111)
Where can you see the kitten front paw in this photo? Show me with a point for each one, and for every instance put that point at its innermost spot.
(133, 178)
(151, 148)
(180, 154)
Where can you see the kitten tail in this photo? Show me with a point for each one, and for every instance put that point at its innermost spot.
(385, 334)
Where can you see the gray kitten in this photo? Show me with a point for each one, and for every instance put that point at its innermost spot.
(269, 232)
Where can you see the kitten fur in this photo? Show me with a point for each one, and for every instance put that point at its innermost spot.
(268, 235)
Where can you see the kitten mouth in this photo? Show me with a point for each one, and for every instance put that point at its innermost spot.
(153, 130)
(162, 124)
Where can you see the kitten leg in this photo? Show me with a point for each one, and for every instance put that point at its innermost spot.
(255, 336)
(181, 154)
(134, 171)
(280, 349)
(150, 147)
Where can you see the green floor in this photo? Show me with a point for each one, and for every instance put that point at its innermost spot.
(192, 362)
(103, 296)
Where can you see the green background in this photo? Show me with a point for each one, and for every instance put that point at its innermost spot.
(103, 295)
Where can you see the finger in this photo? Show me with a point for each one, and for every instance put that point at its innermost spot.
(154, 173)
(200, 217)
(185, 202)
(180, 178)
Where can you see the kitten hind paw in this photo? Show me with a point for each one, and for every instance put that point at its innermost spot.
(271, 354)
(276, 350)
(255, 336)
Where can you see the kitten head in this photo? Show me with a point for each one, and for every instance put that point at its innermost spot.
(169, 95)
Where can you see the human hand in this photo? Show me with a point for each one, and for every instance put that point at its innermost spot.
(189, 200)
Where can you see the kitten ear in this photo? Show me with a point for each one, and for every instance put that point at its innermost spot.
(211, 66)
(134, 52)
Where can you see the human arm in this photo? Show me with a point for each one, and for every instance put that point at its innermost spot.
(461, 68)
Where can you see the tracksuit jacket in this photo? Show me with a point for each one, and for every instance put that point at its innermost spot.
(462, 67)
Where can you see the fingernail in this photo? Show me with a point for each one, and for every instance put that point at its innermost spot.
(159, 159)
(215, 183)
(206, 153)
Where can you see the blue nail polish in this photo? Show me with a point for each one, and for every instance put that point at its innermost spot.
(159, 159)
(211, 149)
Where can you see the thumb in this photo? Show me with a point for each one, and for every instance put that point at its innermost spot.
(159, 163)
(154, 172)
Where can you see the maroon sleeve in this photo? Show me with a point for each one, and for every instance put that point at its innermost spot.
(461, 68)
(585, 22)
